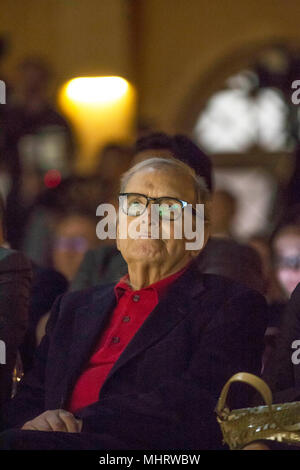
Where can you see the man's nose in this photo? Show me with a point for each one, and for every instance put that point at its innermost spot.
(153, 214)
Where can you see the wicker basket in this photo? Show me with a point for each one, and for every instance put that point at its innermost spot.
(280, 422)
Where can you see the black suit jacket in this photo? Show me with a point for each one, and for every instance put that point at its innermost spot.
(162, 391)
(15, 282)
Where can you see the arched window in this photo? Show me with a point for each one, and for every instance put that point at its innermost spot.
(242, 116)
(251, 127)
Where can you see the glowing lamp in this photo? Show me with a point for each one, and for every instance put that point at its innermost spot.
(96, 90)
(101, 109)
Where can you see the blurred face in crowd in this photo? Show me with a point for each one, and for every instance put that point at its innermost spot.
(74, 236)
(114, 162)
(223, 209)
(287, 258)
(33, 79)
(272, 289)
(162, 255)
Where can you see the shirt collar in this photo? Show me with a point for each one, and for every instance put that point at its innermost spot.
(159, 287)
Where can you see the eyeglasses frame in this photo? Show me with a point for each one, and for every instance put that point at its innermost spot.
(149, 199)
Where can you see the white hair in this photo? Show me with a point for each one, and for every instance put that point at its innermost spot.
(201, 191)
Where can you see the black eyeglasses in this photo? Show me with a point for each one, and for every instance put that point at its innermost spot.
(288, 262)
(135, 204)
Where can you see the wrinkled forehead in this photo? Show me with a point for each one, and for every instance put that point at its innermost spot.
(168, 181)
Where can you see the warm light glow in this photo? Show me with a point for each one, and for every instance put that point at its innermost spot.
(96, 89)
(101, 110)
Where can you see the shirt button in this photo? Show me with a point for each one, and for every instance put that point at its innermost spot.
(136, 298)
(115, 339)
(126, 319)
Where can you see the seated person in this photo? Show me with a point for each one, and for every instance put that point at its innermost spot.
(15, 281)
(286, 253)
(140, 364)
(44, 284)
(224, 209)
(286, 248)
(47, 284)
(74, 234)
(106, 264)
(283, 374)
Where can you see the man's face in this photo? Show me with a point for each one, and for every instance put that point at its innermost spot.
(169, 251)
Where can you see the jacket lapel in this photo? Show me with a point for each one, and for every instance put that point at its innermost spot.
(88, 325)
(169, 311)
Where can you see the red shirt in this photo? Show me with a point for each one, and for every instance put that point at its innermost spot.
(132, 309)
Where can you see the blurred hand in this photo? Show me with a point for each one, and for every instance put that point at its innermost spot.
(54, 420)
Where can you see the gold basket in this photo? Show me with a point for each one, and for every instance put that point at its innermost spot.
(279, 422)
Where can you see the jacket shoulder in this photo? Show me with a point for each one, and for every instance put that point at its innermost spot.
(84, 297)
(221, 282)
(228, 288)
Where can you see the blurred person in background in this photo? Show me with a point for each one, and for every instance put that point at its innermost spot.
(286, 249)
(16, 272)
(47, 285)
(179, 146)
(234, 260)
(223, 210)
(36, 139)
(285, 244)
(111, 162)
(77, 193)
(15, 284)
(74, 235)
(273, 292)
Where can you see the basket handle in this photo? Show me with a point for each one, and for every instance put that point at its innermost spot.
(249, 379)
(264, 391)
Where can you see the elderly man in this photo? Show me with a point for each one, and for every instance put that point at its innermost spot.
(140, 364)
(105, 264)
